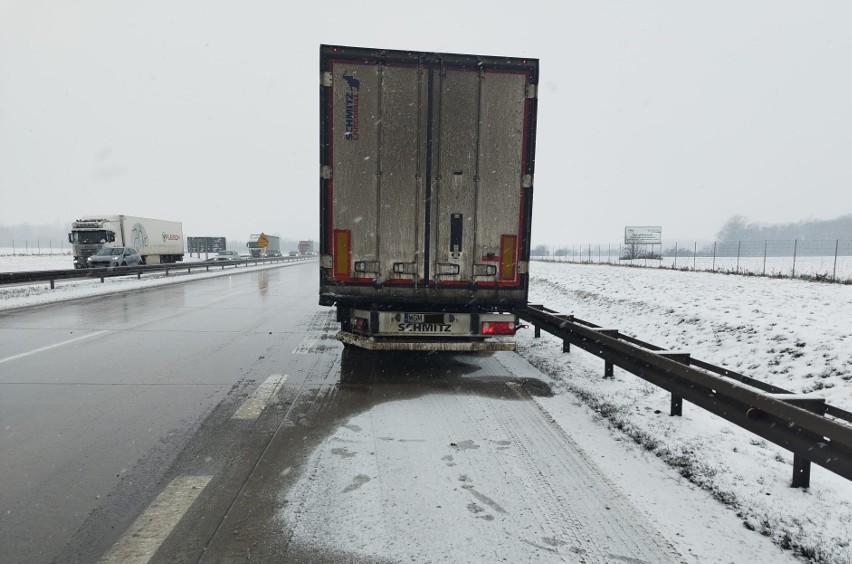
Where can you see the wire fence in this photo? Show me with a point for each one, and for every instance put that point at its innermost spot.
(826, 260)
(24, 247)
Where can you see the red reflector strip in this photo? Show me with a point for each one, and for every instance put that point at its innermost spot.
(497, 328)
(360, 324)
(342, 252)
(508, 247)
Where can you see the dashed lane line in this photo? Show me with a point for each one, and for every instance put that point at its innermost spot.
(139, 543)
(53, 346)
(257, 402)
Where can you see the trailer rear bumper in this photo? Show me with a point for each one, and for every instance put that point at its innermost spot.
(397, 344)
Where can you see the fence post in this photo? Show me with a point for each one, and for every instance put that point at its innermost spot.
(764, 257)
(834, 272)
(694, 254)
(590, 254)
(609, 255)
(738, 256)
(599, 253)
(795, 248)
(714, 257)
(675, 262)
(14, 252)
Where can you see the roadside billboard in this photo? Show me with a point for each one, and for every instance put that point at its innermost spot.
(205, 244)
(643, 235)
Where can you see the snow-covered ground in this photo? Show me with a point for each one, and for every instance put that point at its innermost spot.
(826, 267)
(790, 333)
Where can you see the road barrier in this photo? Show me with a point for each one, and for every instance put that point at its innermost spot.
(812, 430)
(52, 276)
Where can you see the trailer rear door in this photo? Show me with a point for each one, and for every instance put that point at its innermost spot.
(427, 165)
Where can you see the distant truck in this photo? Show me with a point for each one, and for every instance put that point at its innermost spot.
(272, 248)
(156, 240)
(426, 185)
(306, 247)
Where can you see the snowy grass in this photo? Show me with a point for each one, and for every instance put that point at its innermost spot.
(790, 333)
(818, 268)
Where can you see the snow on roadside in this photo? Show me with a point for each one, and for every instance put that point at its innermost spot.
(794, 334)
(16, 296)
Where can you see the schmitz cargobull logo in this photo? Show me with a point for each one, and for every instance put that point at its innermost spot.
(352, 107)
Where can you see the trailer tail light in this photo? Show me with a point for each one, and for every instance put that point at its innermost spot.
(508, 248)
(342, 252)
(360, 325)
(497, 328)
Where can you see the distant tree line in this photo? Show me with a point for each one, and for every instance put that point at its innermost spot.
(738, 228)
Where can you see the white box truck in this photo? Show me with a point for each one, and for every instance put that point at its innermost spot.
(263, 245)
(156, 240)
(426, 185)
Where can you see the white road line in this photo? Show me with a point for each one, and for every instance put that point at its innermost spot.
(261, 397)
(48, 347)
(219, 299)
(139, 543)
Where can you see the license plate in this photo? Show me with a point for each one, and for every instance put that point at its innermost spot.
(423, 317)
(431, 323)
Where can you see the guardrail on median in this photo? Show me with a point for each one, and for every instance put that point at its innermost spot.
(812, 430)
(52, 276)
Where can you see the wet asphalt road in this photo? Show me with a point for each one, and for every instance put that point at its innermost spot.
(90, 428)
(109, 405)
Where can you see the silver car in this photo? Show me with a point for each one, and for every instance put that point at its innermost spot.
(109, 257)
(227, 255)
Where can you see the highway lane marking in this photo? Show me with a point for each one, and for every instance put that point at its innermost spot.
(139, 543)
(257, 402)
(53, 346)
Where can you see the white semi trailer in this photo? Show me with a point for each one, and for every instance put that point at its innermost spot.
(156, 240)
(426, 185)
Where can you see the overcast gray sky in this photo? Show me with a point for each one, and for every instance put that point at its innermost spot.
(679, 114)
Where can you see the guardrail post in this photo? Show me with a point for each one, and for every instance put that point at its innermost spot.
(608, 367)
(52, 286)
(537, 332)
(139, 275)
(566, 346)
(102, 279)
(676, 408)
(801, 465)
(801, 472)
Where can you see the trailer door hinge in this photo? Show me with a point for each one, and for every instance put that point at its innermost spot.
(531, 91)
(523, 267)
(527, 181)
(326, 172)
(326, 79)
(326, 261)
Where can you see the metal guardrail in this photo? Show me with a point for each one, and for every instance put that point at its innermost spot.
(812, 430)
(52, 276)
